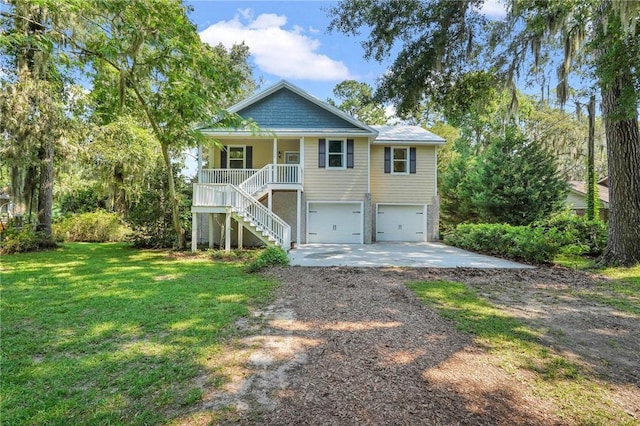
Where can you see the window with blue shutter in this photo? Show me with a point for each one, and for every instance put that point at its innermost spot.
(322, 153)
(350, 153)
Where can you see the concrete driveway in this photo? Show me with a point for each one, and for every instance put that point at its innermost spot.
(416, 255)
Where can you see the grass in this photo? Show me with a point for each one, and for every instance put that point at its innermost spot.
(105, 334)
(580, 397)
(622, 293)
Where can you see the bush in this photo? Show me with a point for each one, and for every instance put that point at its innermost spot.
(97, 227)
(581, 236)
(270, 256)
(530, 244)
(19, 240)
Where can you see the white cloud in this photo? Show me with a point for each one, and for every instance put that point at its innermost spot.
(286, 53)
(494, 9)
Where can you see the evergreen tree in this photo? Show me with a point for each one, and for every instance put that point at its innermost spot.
(517, 182)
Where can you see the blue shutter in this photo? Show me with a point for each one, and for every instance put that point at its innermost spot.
(387, 159)
(412, 160)
(322, 152)
(223, 157)
(350, 153)
(249, 160)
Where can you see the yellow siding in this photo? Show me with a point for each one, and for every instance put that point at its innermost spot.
(321, 184)
(262, 151)
(419, 187)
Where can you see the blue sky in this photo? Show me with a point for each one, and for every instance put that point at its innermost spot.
(289, 40)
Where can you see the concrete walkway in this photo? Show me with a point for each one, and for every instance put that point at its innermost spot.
(416, 255)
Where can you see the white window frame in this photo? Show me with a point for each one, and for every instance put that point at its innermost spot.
(343, 154)
(244, 156)
(406, 160)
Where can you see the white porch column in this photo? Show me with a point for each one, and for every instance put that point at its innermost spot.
(275, 151)
(227, 231)
(199, 163)
(302, 157)
(274, 169)
(210, 230)
(194, 232)
(270, 200)
(240, 235)
(298, 215)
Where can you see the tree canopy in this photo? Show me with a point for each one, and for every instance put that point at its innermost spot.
(145, 65)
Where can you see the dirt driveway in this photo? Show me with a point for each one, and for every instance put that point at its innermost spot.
(345, 346)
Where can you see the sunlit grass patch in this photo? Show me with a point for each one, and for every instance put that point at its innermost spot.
(105, 334)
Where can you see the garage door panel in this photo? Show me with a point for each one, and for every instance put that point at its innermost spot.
(335, 223)
(401, 223)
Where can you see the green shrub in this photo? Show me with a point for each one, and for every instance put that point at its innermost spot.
(270, 256)
(19, 240)
(97, 227)
(579, 235)
(530, 244)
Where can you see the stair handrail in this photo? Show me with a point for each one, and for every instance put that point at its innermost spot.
(261, 216)
(258, 180)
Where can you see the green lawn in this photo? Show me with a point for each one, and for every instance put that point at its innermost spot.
(105, 334)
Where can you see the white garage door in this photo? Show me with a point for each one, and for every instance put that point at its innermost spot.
(397, 222)
(335, 223)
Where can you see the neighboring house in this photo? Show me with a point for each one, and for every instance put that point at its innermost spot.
(577, 198)
(313, 174)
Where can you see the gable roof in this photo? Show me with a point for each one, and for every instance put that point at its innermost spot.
(400, 134)
(286, 109)
(580, 188)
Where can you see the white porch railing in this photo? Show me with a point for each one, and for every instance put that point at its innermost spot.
(231, 176)
(271, 173)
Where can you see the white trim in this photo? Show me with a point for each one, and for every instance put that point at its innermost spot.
(244, 156)
(407, 160)
(435, 167)
(368, 163)
(359, 203)
(344, 154)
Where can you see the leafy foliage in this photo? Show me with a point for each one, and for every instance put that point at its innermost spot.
(530, 244)
(150, 216)
(270, 256)
(81, 200)
(539, 242)
(95, 227)
(358, 101)
(513, 181)
(581, 235)
(19, 240)
(517, 182)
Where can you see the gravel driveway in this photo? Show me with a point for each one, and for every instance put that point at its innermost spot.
(347, 346)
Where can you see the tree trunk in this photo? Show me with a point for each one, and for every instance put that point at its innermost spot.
(45, 192)
(623, 150)
(181, 243)
(591, 174)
